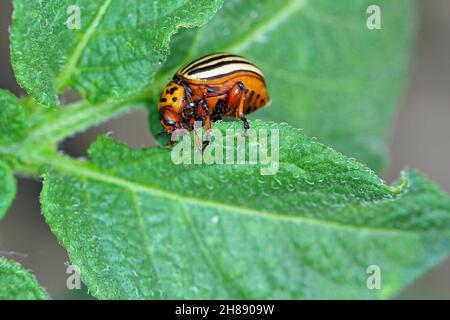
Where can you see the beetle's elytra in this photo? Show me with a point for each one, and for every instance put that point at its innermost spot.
(209, 88)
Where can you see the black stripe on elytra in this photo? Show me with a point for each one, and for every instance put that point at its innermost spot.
(200, 64)
(197, 62)
(217, 65)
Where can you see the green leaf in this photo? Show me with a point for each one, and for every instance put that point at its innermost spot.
(114, 54)
(18, 284)
(139, 226)
(13, 119)
(7, 188)
(326, 71)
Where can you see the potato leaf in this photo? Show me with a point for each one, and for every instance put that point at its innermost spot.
(16, 283)
(13, 119)
(139, 226)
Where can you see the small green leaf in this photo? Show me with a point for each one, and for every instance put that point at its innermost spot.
(7, 188)
(139, 226)
(18, 284)
(326, 71)
(13, 119)
(114, 54)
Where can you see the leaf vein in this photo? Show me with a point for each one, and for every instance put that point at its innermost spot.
(204, 248)
(146, 243)
(285, 12)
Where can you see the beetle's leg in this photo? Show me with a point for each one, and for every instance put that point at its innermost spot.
(205, 107)
(189, 109)
(195, 105)
(240, 108)
(236, 97)
(201, 102)
(195, 108)
(219, 110)
(202, 145)
(207, 132)
(198, 143)
(191, 123)
(207, 122)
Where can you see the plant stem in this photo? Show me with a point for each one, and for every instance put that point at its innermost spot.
(55, 125)
(50, 126)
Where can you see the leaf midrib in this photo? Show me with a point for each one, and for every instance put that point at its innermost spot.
(77, 168)
(70, 66)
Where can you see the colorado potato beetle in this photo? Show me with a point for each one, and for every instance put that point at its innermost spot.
(209, 88)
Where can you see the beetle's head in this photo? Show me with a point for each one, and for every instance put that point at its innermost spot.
(170, 119)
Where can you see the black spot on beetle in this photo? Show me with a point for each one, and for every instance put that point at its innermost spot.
(163, 100)
(167, 91)
(174, 99)
(173, 89)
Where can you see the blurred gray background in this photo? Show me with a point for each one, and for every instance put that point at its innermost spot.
(420, 139)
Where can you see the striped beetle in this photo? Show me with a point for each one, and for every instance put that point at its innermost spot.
(209, 88)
